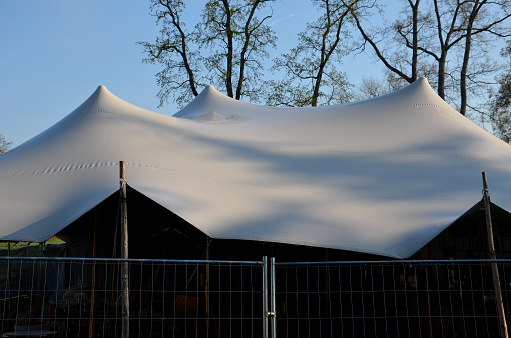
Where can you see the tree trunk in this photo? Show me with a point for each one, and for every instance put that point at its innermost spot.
(243, 60)
(415, 13)
(466, 57)
(441, 75)
(228, 31)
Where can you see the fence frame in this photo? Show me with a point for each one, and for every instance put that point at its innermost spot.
(260, 286)
(270, 270)
(399, 263)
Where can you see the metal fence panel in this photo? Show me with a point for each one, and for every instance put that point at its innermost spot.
(168, 298)
(389, 299)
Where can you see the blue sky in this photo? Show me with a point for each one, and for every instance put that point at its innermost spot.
(56, 52)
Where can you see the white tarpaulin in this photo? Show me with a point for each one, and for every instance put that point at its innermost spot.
(382, 176)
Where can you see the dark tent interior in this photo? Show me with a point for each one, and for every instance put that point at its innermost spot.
(156, 232)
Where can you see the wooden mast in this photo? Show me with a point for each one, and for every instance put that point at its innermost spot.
(493, 256)
(93, 291)
(124, 255)
(9, 273)
(206, 282)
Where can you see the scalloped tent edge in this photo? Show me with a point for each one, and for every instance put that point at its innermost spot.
(382, 176)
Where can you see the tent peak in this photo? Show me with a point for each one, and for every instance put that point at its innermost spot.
(103, 97)
(209, 90)
(102, 100)
(101, 90)
(422, 81)
(418, 91)
(207, 105)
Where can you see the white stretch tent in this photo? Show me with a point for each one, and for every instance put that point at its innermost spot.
(382, 176)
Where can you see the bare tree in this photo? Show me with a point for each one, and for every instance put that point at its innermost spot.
(226, 48)
(403, 29)
(482, 20)
(173, 49)
(234, 35)
(4, 145)
(311, 77)
(500, 111)
(370, 87)
(441, 27)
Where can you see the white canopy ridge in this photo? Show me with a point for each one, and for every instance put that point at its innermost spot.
(381, 176)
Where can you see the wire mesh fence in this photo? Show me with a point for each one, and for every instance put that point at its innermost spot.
(390, 299)
(71, 297)
(64, 297)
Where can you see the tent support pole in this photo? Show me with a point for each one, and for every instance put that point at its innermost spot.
(327, 285)
(39, 274)
(124, 255)
(428, 288)
(93, 287)
(206, 284)
(493, 256)
(9, 273)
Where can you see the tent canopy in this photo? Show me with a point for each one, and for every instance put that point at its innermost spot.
(382, 176)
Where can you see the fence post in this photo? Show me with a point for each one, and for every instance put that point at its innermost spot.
(273, 311)
(265, 296)
(92, 323)
(124, 255)
(495, 269)
(9, 273)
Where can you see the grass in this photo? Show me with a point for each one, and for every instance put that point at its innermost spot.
(16, 245)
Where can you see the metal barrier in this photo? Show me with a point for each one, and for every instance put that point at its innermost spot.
(71, 297)
(389, 298)
(75, 297)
